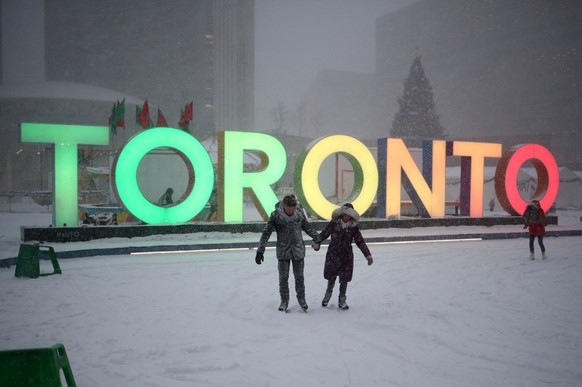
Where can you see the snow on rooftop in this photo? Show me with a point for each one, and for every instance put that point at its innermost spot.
(65, 90)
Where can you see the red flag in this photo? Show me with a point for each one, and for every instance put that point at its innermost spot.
(117, 118)
(120, 114)
(183, 121)
(161, 120)
(186, 116)
(188, 112)
(142, 116)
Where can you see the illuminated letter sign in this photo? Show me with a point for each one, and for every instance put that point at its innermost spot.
(426, 192)
(472, 171)
(233, 180)
(125, 176)
(65, 138)
(307, 174)
(395, 167)
(507, 172)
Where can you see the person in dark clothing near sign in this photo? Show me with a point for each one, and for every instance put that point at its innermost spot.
(339, 260)
(288, 223)
(166, 198)
(535, 219)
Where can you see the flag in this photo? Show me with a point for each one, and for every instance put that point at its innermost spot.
(120, 116)
(117, 118)
(161, 120)
(183, 124)
(112, 125)
(186, 116)
(142, 115)
(189, 111)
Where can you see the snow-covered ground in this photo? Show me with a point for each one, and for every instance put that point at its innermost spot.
(467, 313)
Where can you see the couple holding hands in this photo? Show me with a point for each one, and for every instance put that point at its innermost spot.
(288, 221)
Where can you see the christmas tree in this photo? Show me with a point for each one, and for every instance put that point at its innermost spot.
(416, 119)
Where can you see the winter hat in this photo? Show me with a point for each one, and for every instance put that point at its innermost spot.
(347, 209)
(290, 201)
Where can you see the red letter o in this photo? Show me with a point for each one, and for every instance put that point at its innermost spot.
(508, 170)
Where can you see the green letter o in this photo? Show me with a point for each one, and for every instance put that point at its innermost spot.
(125, 183)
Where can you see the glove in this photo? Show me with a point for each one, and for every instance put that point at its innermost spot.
(370, 260)
(259, 258)
(315, 246)
(524, 226)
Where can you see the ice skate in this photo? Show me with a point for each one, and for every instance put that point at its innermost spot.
(302, 303)
(283, 306)
(326, 299)
(342, 304)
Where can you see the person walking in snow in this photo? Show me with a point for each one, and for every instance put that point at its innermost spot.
(166, 198)
(339, 260)
(288, 223)
(535, 218)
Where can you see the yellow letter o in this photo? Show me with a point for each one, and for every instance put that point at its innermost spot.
(308, 166)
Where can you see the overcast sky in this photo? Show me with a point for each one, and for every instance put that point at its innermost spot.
(294, 40)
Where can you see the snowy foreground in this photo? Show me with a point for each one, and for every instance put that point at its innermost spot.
(470, 313)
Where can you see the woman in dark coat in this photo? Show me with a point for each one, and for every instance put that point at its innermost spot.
(339, 260)
(534, 218)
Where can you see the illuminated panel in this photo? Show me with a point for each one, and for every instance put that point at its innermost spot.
(472, 172)
(233, 180)
(65, 138)
(309, 164)
(507, 172)
(125, 183)
(381, 194)
(396, 156)
(434, 168)
(429, 202)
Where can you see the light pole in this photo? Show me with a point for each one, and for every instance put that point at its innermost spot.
(40, 165)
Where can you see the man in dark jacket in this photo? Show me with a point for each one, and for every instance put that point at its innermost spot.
(288, 223)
